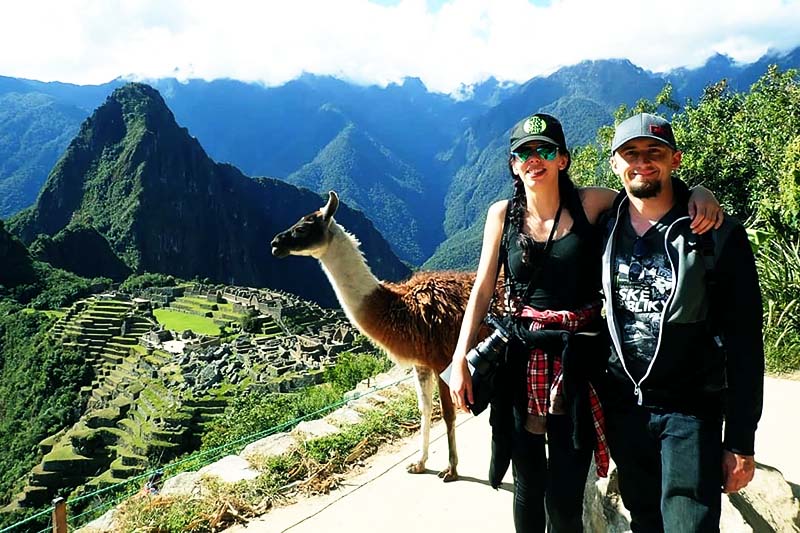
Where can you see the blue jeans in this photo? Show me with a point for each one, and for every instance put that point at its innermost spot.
(670, 468)
(555, 483)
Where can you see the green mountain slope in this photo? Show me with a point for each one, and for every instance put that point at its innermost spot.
(70, 247)
(150, 189)
(368, 176)
(34, 130)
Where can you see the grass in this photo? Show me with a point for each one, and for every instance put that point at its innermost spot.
(317, 466)
(178, 321)
(199, 302)
(52, 313)
(779, 276)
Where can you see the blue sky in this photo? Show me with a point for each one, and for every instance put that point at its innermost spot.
(446, 43)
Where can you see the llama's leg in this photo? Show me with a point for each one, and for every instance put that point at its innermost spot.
(449, 415)
(425, 382)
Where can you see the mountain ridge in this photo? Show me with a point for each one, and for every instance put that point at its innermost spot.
(149, 188)
(282, 131)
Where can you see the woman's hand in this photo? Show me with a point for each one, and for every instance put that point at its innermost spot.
(461, 384)
(705, 210)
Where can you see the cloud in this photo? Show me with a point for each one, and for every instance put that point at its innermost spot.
(445, 43)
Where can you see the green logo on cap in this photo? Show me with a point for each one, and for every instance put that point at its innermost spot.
(534, 126)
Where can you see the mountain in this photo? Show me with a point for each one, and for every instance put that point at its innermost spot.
(37, 121)
(386, 140)
(69, 248)
(163, 205)
(25, 280)
(401, 147)
(740, 76)
(84, 97)
(381, 184)
(34, 131)
(584, 97)
(17, 263)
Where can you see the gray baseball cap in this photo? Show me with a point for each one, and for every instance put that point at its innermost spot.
(643, 125)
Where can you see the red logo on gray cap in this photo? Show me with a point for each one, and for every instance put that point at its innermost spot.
(659, 130)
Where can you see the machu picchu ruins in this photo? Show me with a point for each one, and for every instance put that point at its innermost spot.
(155, 389)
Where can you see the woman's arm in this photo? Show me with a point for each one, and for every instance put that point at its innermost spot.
(704, 208)
(477, 305)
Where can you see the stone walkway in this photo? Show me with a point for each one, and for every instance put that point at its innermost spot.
(386, 499)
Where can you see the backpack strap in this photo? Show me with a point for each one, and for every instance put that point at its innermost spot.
(705, 244)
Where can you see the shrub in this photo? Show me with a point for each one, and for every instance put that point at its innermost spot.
(145, 280)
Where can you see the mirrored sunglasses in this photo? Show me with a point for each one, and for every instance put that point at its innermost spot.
(547, 152)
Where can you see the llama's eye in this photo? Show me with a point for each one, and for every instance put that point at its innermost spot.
(301, 230)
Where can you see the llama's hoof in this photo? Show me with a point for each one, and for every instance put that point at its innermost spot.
(448, 474)
(416, 468)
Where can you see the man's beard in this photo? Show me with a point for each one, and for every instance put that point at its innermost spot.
(646, 189)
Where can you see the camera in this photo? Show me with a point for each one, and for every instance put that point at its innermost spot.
(487, 353)
(483, 362)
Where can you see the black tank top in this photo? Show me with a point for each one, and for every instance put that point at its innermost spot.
(565, 278)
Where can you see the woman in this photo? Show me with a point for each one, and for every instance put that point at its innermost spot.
(546, 240)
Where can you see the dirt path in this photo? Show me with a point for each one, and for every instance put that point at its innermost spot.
(383, 498)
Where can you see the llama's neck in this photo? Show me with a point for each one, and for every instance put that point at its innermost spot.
(347, 270)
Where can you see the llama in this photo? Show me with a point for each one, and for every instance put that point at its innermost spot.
(416, 321)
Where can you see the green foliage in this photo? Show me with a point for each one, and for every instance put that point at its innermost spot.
(376, 427)
(81, 250)
(352, 368)
(36, 283)
(39, 390)
(779, 275)
(42, 523)
(369, 177)
(585, 170)
(314, 464)
(736, 144)
(34, 130)
(145, 280)
(787, 206)
(251, 413)
(52, 288)
(17, 266)
(459, 252)
(180, 321)
(249, 322)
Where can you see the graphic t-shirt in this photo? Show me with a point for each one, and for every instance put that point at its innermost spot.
(642, 285)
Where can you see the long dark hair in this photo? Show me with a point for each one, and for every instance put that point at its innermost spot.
(518, 206)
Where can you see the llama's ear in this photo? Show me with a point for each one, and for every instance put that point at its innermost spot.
(330, 208)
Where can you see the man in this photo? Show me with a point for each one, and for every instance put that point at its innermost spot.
(684, 313)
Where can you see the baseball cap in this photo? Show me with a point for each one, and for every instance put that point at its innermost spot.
(538, 127)
(643, 125)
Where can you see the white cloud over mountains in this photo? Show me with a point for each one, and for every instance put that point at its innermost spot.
(457, 42)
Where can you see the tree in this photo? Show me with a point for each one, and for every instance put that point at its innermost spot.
(736, 144)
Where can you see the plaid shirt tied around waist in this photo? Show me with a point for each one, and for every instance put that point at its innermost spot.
(544, 390)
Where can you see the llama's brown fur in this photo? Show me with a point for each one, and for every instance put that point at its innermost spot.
(417, 321)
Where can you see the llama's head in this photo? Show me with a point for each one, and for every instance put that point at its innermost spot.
(310, 235)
